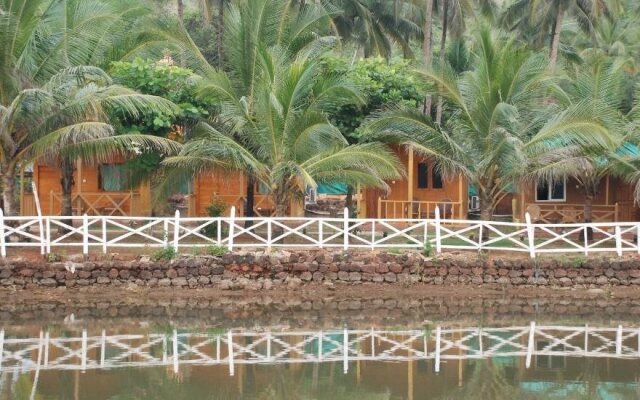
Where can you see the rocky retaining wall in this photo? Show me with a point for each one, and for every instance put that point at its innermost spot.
(261, 271)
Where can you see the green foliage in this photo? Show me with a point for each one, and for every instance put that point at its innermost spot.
(52, 257)
(215, 209)
(217, 251)
(171, 82)
(382, 83)
(164, 254)
(427, 249)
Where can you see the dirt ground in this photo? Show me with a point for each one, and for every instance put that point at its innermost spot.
(312, 292)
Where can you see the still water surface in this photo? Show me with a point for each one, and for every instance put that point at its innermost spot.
(151, 356)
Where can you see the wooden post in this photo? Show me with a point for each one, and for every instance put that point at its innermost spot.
(85, 234)
(461, 199)
(232, 216)
(410, 177)
(379, 207)
(176, 230)
(616, 209)
(437, 224)
(532, 332)
(530, 235)
(3, 245)
(346, 228)
(607, 191)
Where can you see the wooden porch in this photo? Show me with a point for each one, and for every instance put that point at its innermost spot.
(572, 213)
(100, 203)
(404, 209)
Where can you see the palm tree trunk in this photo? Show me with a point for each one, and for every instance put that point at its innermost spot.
(588, 213)
(220, 34)
(443, 47)
(180, 7)
(251, 200)
(10, 206)
(66, 181)
(555, 39)
(348, 202)
(427, 49)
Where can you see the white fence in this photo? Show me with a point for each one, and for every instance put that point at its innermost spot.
(104, 233)
(107, 351)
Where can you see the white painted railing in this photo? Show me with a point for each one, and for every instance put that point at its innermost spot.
(83, 351)
(104, 233)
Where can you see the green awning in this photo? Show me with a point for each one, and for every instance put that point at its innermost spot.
(332, 188)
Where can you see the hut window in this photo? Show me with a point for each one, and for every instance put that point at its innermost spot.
(551, 190)
(436, 178)
(429, 173)
(112, 178)
(423, 176)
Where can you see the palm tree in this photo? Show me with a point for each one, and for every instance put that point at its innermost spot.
(375, 25)
(499, 119)
(69, 118)
(599, 82)
(40, 38)
(286, 142)
(252, 26)
(539, 18)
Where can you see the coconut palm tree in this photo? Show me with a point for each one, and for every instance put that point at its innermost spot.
(599, 82)
(286, 141)
(540, 19)
(499, 119)
(69, 117)
(375, 25)
(252, 27)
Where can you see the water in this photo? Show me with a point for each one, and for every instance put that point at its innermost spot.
(263, 348)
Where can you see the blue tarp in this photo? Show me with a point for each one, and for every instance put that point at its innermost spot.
(332, 188)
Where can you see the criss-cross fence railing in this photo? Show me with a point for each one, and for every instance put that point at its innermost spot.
(48, 233)
(107, 351)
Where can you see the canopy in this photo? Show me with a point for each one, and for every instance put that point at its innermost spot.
(332, 188)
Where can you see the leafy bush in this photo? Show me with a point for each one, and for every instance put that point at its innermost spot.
(217, 251)
(166, 254)
(215, 209)
(427, 250)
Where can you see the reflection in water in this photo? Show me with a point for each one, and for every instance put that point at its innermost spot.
(141, 361)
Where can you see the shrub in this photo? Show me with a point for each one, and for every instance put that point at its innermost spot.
(217, 251)
(166, 253)
(427, 250)
(215, 209)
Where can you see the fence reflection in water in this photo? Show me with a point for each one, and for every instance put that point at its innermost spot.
(176, 348)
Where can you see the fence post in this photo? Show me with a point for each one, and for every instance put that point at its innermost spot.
(3, 245)
(85, 234)
(618, 241)
(232, 216)
(269, 234)
(176, 230)
(48, 235)
(346, 228)
(104, 234)
(530, 235)
(530, 343)
(437, 224)
(165, 232)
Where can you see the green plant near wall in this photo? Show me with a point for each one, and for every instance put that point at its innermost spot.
(217, 251)
(164, 254)
(216, 209)
(427, 249)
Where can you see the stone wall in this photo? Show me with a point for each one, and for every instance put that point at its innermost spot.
(262, 271)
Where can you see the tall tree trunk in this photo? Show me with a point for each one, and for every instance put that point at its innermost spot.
(180, 7)
(67, 167)
(251, 200)
(10, 206)
(588, 212)
(443, 48)
(220, 34)
(427, 49)
(555, 38)
(348, 202)
(487, 208)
